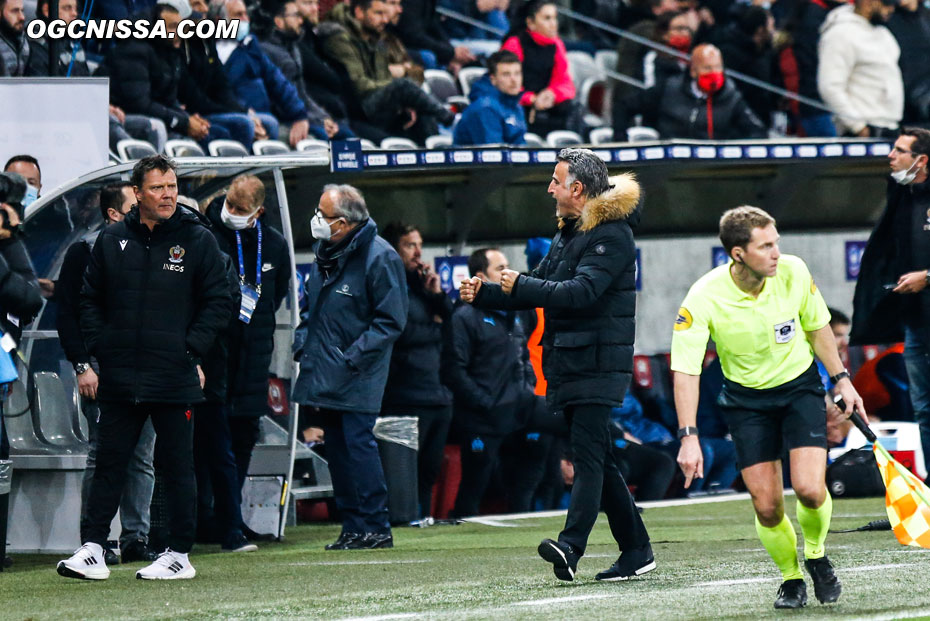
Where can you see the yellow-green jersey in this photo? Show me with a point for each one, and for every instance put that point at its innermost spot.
(760, 340)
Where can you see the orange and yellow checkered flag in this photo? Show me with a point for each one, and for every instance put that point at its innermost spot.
(906, 500)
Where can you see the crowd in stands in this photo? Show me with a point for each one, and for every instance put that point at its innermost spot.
(335, 70)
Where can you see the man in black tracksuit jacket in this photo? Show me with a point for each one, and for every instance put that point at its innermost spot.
(155, 296)
(586, 287)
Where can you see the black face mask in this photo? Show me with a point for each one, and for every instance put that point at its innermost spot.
(876, 19)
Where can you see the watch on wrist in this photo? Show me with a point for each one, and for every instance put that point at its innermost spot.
(927, 278)
(81, 368)
(842, 374)
(687, 431)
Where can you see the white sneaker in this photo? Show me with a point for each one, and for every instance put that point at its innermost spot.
(86, 563)
(169, 565)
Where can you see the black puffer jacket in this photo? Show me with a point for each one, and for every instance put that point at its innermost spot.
(203, 85)
(151, 306)
(19, 289)
(675, 111)
(413, 378)
(586, 287)
(144, 79)
(250, 345)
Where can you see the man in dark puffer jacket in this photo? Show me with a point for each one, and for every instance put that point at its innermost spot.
(154, 298)
(586, 286)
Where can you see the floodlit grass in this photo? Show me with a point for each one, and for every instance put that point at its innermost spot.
(710, 566)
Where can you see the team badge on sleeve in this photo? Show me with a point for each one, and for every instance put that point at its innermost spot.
(683, 320)
(813, 286)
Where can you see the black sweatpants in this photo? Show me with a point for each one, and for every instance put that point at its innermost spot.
(244, 431)
(597, 479)
(117, 435)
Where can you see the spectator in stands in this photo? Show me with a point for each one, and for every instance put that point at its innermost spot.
(422, 32)
(839, 324)
(392, 104)
(121, 9)
(494, 115)
(487, 367)
(550, 92)
(413, 386)
(115, 202)
(804, 27)
(281, 46)
(261, 86)
(746, 45)
(858, 74)
(910, 25)
(322, 79)
(716, 443)
(260, 257)
(631, 55)
(701, 104)
(343, 344)
(145, 77)
(492, 13)
(14, 44)
(898, 253)
(400, 62)
(649, 468)
(72, 60)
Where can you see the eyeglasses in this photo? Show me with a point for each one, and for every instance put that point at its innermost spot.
(901, 151)
(317, 212)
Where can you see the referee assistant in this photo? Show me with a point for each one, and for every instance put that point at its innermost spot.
(768, 319)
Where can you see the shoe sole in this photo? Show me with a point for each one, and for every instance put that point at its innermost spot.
(184, 575)
(645, 569)
(803, 604)
(67, 572)
(552, 554)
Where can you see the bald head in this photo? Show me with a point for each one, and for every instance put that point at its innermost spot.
(249, 189)
(705, 58)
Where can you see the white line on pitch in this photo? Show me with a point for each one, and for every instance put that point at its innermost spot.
(398, 562)
(564, 600)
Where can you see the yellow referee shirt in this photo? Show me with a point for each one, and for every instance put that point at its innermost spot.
(760, 341)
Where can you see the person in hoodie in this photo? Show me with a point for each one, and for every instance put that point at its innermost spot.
(155, 296)
(494, 115)
(550, 91)
(858, 75)
(586, 287)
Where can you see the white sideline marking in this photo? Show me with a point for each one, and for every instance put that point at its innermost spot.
(563, 600)
(399, 562)
(398, 615)
(842, 570)
(492, 522)
(892, 616)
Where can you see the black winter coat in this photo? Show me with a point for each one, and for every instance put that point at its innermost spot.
(19, 289)
(675, 111)
(284, 52)
(38, 59)
(151, 306)
(911, 29)
(413, 378)
(486, 364)
(145, 79)
(741, 54)
(808, 16)
(249, 346)
(586, 286)
(420, 29)
(322, 79)
(879, 315)
(68, 296)
(203, 86)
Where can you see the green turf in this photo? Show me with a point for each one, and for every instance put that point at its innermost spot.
(474, 571)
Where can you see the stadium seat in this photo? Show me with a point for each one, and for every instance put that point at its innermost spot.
(183, 147)
(395, 143)
(606, 60)
(52, 411)
(583, 68)
(19, 425)
(313, 144)
(368, 145)
(641, 134)
(440, 84)
(270, 147)
(593, 97)
(563, 138)
(227, 148)
(602, 135)
(534, 140)
(131, 149)
(439, 141)
(468, 76)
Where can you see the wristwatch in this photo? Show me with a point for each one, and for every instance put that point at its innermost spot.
(687, 431)
(81, 368)
(835, 378)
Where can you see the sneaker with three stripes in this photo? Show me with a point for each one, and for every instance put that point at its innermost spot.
(86, 563)
(169, 565)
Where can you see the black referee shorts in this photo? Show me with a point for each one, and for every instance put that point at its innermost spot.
(766, 422)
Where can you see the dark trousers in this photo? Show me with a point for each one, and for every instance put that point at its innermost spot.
(244, 432)
(598, 482)
(648, 468)
(359, 488)
(218, 489)
(117, 435)
(433, 429)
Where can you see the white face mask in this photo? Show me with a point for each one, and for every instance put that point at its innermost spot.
(32, 194)
(905, 177)
(320, 228)
(234, 222)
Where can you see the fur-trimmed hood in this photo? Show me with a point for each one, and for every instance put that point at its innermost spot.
(619, 202)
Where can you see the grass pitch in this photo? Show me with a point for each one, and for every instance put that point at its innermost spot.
(710, 566)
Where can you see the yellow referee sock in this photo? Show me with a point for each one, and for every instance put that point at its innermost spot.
(814, 525)
(781, 542)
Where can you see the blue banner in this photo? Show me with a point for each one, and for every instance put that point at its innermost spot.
(854, 251)
(452, 271)
(718, 256)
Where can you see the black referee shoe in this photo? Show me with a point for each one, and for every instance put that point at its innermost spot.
(827, 586)
(792, 594)
(563, 557)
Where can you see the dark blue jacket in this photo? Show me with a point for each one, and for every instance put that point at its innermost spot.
(491, 118)
(349, 324)
(260, 85)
